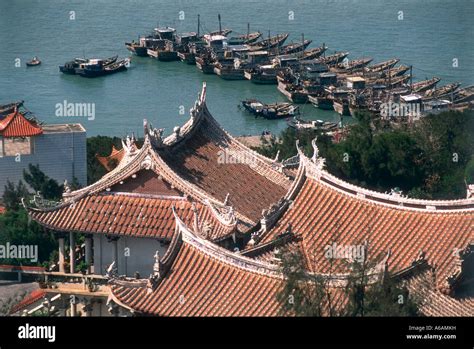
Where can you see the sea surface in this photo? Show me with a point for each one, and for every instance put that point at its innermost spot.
(428, 34)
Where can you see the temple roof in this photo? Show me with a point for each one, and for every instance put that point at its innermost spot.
(184, 165)
(16, 124)
(198, 278)
(327, 210)
(126, 214)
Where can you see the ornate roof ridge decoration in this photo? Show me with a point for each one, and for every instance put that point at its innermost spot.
(225, 214)
(270, 168)
(315, 170)
(275, 211)
(219, 253)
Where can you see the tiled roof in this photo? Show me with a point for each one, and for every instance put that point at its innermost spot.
(128, 215)
(250, 189)
(16, 125)
(204, 280)
(111, 161)
(29, 299)
(435, 303)
(324, 213)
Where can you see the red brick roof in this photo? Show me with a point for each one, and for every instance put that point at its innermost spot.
(251, 189)
(204, 280)
(324, 213)
(29, 299)
(16, 125)
(128, 215)
(111, 161)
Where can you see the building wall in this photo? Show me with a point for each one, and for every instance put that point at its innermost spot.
(141, 259)
(59, 155)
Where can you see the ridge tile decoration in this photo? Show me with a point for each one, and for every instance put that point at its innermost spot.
(17, 125)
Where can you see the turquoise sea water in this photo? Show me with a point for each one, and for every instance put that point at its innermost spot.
(430, 36)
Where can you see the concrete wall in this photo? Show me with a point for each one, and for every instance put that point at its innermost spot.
(142, 251)
(60, 156)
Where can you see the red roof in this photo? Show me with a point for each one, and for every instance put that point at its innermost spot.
(111, 161)
(29, 299)
(16, 125)
(321, 215)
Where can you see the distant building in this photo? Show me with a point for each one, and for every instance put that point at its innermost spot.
(59, 150)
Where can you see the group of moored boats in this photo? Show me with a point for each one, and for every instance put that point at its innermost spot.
(329, 81)
(91, 68)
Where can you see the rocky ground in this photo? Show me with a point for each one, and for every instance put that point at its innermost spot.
(12, 292)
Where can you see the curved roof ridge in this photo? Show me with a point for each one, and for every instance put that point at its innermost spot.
(315, 170)
(222, 254)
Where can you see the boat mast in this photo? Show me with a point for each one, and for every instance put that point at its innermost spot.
(411, 78)
(248, 30)
(220, 24)
(302, 43)
(199, 24)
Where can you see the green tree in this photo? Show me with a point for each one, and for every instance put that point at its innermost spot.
(48, 187)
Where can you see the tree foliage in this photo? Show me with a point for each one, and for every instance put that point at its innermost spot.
(431, 159)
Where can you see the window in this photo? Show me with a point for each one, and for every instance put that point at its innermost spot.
(17, 145)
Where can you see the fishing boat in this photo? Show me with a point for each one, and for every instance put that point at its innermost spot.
(34, 62)
(262, 75)
(464, 95)
(333, 59)
(352, 65)
(270, 111)
(96, 67)
(395, 71)
(205, 62)
(163, 51)
(312, 53)
(229, 71)
(141, 47)
(424, 85)
(223, 32)
(71, 66)
(269, 43)
(10, 107)
(301, 124)
(293, 47)
(391, 82)
(322, 101)
(341, 106)
(443, 91)
(382, 65)
(293, 92)
(244, 39)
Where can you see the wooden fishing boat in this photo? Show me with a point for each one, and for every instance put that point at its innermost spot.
(312, 53)
(464, 95)
(34, 62)
(424, 85)
(223, 32)
(263, 75)
(390, 82)
(333, 59)
(341, 106)
(293, 47)
(205, 63)
(301, 124)
(322, 101)
(270, 111)
(353, 64)
(382, 65)
(10, 107)
(229, 72)
(163, 51)
(269, 43)
(294, 93)
(244, 39)
(443, 91)
(395, 71)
